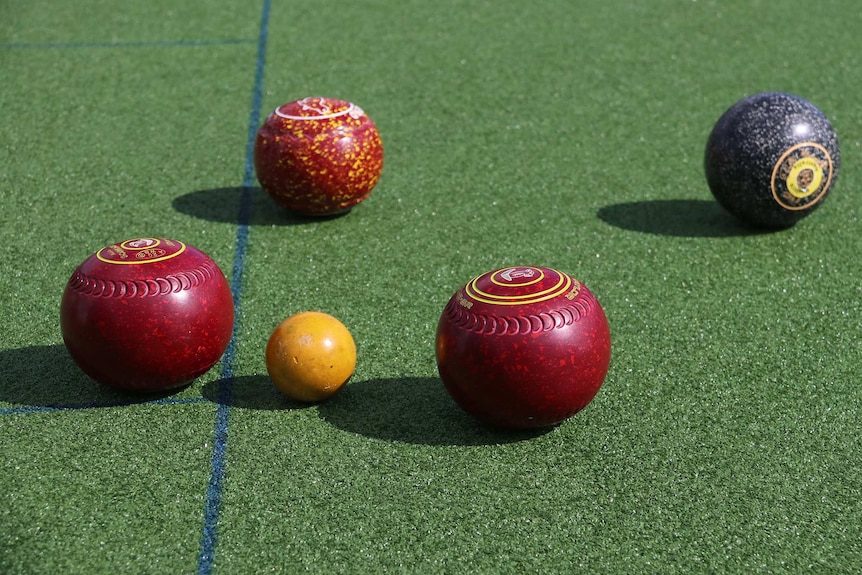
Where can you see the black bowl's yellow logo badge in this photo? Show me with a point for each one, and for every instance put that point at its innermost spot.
(802, 176)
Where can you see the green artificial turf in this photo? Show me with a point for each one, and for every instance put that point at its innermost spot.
(562, 134)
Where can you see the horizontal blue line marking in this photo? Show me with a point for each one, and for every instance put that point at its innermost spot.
(94, 405)
(153, 44)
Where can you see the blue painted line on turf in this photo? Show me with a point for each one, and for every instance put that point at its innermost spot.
(212, 505)
(151, 44)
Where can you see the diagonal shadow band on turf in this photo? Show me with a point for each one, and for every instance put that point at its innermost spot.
(688, 218)
(382, 409)
(42, 378)
(385, 409)
(212, 503)
(219, 205)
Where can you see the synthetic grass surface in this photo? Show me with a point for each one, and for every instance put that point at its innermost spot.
(568, 134)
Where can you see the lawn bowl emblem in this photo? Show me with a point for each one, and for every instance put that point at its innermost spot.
(512, 274)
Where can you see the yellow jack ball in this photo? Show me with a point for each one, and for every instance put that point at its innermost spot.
(310, 356)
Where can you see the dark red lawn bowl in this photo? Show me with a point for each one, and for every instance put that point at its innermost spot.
(318, 156)
(147, 314)
(523, 347)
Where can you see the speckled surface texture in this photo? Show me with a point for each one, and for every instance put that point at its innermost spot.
(147, 314)
(772, 159)
(318, 156)
(523, 347)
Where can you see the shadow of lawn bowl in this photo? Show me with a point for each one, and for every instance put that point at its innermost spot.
(225, 205)
(679, 218)
(44, 377)
(414, 410)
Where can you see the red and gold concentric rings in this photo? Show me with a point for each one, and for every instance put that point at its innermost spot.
(141, 251)
(518, 286)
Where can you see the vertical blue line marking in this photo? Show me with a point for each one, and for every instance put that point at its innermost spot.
(212, 505)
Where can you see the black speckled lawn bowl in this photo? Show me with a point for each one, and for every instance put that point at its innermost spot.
(772, 159)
